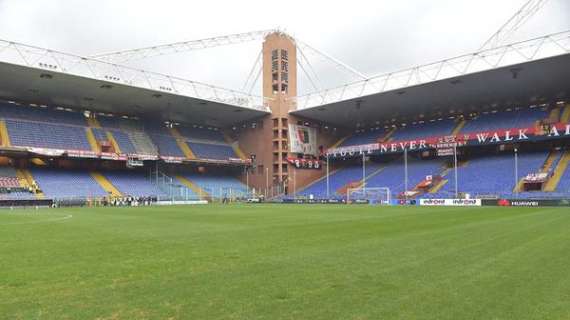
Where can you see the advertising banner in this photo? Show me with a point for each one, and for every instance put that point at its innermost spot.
(144, 157)
(82, 154)
(527, 202)
(446, 143)
(404, 202)
(303, 139)
(47, 152)
(313, 201)
(451, 202)
(169, 159)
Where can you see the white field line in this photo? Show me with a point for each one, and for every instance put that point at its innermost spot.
(58, 219)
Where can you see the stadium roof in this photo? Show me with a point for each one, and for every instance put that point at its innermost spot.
(521, 73)
(38, 75)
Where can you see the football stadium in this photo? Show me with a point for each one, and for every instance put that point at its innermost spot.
(437, 191)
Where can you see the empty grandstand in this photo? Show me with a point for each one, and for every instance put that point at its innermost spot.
(314, 191)
(74, 134)
(445, 136)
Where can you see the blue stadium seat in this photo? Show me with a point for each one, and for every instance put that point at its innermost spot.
(44, 135)
(212, 151)
(133, 183)
(67, 183)
(339, 179)
(367, 137)
(124, 142)
(167, 145)
(203, 134)
(218, 186)
(393, 175)
(492, 174)
(523, 118)
(47, 115)
(425, 130)
(99, 134)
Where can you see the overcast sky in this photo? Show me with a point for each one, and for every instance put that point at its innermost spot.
(372, 36)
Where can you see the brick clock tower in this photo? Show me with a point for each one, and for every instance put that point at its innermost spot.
(269, 141)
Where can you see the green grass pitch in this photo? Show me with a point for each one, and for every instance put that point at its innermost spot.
(285, 262)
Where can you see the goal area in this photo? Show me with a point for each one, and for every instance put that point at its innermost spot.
(371, 195)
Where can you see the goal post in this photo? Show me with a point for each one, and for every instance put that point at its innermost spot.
(378, 195)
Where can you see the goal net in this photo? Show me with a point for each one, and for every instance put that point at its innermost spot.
(372, 195)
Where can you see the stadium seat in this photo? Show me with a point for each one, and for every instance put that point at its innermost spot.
(361, 138)
(201, 134)
(425, 130)
(523, 118)
(99, 134)
(393, 175)
(124, 142)
(133, 183)
(46, 115)
(218, 186)
(60, 184)
(44, 135)
(212, 151)
(167, 145)
(11, 188)
(492, 175)
(339, 179)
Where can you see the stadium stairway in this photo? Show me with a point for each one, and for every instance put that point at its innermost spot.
(142, 142)
(192, 186)
(438, 186)
(338, 143)
(181, 141)
(551, 160)
(548, 162)
(388, 135)
(113, 142)
(554, 116)
(92, 141)
(529, 164)
(26, 175)
(443, 182)
(22, 179)
(235, 146)
(565, 118)
(553, 182)
(93, 123)
(323, 178)
(458, 127)
(4, 134)
(106, 184)
(446, 171)
(519, 186)
(374, 173)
